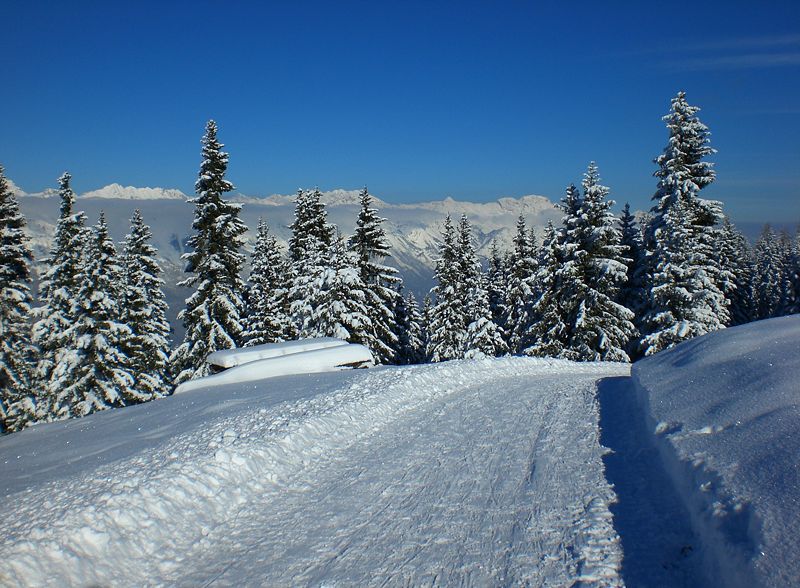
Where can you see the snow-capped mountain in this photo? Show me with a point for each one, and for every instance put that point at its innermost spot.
(413, 229)
(117, 191)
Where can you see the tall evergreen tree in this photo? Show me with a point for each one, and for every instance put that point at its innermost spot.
(683, 172)
(95, 374)
(447, 321)
(371, 248)
(482, 336)
(17, 400)
(633, 294)
(497, 288)
(213, 313)
(600, 327)
(549, 335)
(267, 319)
(337, 302)
(768, 274)
(735, 255)
(522, 289)
(409, 329)
(57, 291)
(310, 228)
(144, 311)
(790, 287)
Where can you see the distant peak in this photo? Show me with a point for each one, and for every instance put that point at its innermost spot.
(120, 192)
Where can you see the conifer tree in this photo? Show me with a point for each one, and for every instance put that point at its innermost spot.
(337, 302)
(213, 313)
(633, 294)
(426, 316)
(549, 334)
(497, 289)
(371, 248)
(682, 173)
(522, 289)
(790, 286)
(594, 270)
(57, 291)
(447, 321)
(267, 319)
(17, 399)
(409, 329)
(144, 311)
(95, 374)
(482, 337)
(768, 274)
(735, 255)
(310, 229)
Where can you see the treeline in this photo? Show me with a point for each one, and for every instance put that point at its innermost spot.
(596, 288)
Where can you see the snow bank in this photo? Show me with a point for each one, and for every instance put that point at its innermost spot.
(726, 412)
(232, 357)
(328, 359)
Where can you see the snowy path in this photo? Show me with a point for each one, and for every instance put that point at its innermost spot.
(465, 473)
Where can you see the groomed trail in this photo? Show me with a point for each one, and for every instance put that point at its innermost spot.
(467, 473)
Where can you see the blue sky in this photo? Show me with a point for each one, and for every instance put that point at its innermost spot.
(419, 100)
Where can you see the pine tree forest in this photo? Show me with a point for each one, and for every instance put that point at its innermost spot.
(594, 287)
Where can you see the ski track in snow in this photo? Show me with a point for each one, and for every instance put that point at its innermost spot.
(463, 473)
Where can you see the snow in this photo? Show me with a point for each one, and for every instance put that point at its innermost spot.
(117, 191)
(323, 359)
(482, 472)
(725, 411)
(232, 357)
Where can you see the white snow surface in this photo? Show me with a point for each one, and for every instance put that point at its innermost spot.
(227, 358)
(325, 359)
(483, 472)
(726, 412)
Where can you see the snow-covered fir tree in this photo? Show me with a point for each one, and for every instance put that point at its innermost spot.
(310, 228)
(497, 288)
(371, 248)
(57, 291)
(790, 283)
(213, 313)
(482, 336)
(144, 311)
(523, 289)
(549, 334)
(336, 304)
(768, 274)
(17, 400)
(736, 256)
(96, 373)
(426, 314)
(699, 305)
(594, 270)
(447, 321)
(409, 329)
(267, 319)
(633, 294)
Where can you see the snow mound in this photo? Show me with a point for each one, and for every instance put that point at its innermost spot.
(328, 359)
(228, 358)
(725, 409)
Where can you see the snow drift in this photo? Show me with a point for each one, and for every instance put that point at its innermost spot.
(228, 358)
(726, 412)
(347, 356)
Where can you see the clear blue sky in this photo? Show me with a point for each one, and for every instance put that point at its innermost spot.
(417, 99)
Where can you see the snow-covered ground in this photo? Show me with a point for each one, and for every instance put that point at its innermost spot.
(501, 472)
(467, 473)
(725, 410)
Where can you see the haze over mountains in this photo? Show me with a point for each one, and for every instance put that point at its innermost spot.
(412, 229)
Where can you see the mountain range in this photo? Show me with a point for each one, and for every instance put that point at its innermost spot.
(413, 230)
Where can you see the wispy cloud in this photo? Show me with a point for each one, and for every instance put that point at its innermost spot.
(743, 61)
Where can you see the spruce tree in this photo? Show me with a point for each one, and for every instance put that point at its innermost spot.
(549, 335)
(633, 293)
(497, 289)
(682, 173)
(522, 289)
(267, 319)
(790, 286)
(409, 329)
(144, 311)
(371, 249)
(17, 398)
(95, 374)
(415, 330)
(213, 313)
(594, 270)
(57, 291)
(447, 321)
(482, 336)
(337, 301)
(735, 255)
